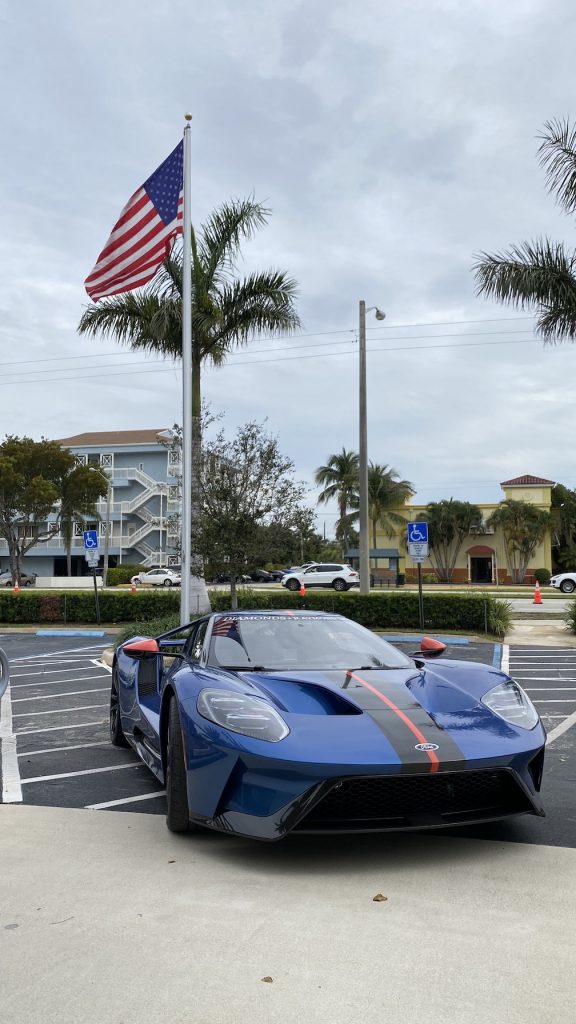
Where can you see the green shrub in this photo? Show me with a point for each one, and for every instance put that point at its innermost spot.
(122, 574)
(570, 617)
(79, 607)
(543, 576)
(395, 610)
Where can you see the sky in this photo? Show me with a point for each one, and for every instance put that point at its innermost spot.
(392, 142)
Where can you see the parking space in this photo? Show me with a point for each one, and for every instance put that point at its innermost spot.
(56, 750)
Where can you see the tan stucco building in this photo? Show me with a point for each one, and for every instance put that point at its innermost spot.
(482, 557)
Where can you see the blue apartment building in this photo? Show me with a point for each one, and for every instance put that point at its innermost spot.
(139, 516)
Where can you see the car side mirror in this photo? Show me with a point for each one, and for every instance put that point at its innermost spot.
(140, 650)
(4, 673)
(429, 648)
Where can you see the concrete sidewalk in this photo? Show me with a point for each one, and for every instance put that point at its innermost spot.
(540, 632)
(107, 918)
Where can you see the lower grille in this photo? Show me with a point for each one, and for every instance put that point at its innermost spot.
(417, 801)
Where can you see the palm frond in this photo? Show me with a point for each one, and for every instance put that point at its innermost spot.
(221, 236)
(534, 274)
(557, 154)
(260, 302)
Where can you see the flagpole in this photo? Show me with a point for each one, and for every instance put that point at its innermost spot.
(186, 539)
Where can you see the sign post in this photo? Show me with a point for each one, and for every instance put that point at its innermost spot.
(418, 551)
(92, 556)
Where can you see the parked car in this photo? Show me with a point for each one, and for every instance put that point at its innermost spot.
(564, 581)
(225, 577)
(26, 579)
(261, 576)
(221, 712)
(277, 574)
(158, 578)
(336, 575)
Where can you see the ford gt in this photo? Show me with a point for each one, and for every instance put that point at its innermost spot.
(262, 723)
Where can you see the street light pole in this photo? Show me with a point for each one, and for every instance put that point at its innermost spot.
(363, 448)
(363, 455)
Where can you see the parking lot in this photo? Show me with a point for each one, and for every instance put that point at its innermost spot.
(61, 755)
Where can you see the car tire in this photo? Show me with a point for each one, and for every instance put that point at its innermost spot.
(340, 584)
(567, 586)
(177, 813)
(167, 583)
(293, 585)
(117, 737)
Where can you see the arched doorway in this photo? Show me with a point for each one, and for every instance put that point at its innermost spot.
(481, 564)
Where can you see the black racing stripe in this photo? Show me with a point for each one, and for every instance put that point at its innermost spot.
(396, 730)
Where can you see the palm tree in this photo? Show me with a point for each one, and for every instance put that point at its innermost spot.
(339, 478)
(449, 522)
(386, 493)
(227, 310)
(524, 527)
(541, 274)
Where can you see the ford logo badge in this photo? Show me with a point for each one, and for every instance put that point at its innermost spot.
(426, 746)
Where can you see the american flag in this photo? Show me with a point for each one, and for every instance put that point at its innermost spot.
(227, 627)
(141, 238)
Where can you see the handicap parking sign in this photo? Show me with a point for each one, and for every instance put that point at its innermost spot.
(417, 533)
(90, 539)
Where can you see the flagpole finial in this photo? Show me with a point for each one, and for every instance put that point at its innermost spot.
(187, 117)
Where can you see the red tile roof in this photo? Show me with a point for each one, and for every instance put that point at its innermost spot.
(527, 481)
(103, 438)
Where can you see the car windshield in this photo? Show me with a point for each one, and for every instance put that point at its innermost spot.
(284, 642)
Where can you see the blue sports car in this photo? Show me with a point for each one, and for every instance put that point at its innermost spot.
(261, 723)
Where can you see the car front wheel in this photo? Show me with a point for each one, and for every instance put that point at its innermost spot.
(340, 585)
(117, 737)
(567, 586)
(177, 814)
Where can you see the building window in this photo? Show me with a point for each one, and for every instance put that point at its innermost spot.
(140, 465)
(107, 461)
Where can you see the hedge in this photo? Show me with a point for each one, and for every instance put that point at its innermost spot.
(397, 610)
(122, 574)
(43, 606)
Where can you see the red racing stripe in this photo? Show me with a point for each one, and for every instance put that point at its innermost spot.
(431, 754)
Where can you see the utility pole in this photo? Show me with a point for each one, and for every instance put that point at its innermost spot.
(363, 455)
(107, 534)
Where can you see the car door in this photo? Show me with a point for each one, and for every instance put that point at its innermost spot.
(312, 577)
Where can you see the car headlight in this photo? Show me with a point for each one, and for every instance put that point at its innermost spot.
(508, 701)
(243, 714)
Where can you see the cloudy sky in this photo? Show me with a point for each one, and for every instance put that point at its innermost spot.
(392, 141)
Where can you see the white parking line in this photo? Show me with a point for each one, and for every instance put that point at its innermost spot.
(56, 696)
(87, 771)
(529, 689)
(11, 788)
(81, 746)
(129, 800)
(58, 682)
(51, 672)
(561, 729)
(59, 728)
(56, 654)
(60, 711)
(553, 700)
(547, 679)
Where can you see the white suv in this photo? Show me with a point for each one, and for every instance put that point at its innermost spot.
(564, 581)
(338, 576)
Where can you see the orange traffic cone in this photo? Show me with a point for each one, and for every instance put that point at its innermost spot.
(302, 590)
(16, 588)
(537, 594)
(132, 587)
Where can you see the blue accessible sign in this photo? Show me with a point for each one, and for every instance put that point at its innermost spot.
(417, 533)
(90, 539)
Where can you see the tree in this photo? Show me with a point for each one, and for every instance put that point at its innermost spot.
(563, 521)
(227, 310)
(449, 522)
(541, 274)
(339, 479)
(245, 484)
(31, 473)
(385, 494)
(79, 488)
(524, 527)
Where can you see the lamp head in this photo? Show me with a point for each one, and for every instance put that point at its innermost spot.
(379, 314)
